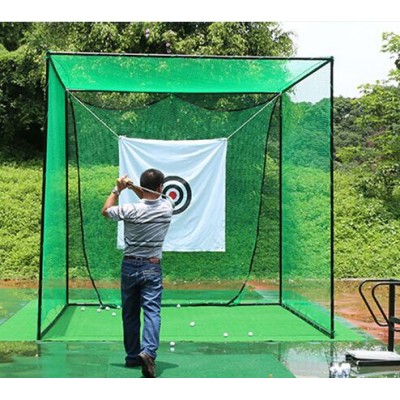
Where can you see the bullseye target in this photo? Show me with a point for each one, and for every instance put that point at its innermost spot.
(179, 191)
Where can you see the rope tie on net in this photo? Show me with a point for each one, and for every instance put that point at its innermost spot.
(228, 138)
(254, 115)
(91, 112)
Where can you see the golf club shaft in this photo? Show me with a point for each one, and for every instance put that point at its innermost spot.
(144, 189)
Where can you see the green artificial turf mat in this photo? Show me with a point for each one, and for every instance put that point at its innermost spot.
(267, 323)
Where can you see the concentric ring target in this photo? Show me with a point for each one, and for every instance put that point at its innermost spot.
(179, 191)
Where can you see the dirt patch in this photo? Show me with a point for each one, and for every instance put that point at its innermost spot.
(25, 284)
(350, 305)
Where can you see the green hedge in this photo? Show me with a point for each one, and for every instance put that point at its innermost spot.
(367, 236)
(20, 214)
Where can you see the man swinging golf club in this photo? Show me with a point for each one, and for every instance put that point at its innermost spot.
(145, 226)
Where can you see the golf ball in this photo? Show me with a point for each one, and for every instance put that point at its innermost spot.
(172, 344)
(250, 333)
(172, 348)
(99, 310)
(107, 308)
(192, 324)
(114, 314)
(82, 308)
(226, 334)
(178, 305)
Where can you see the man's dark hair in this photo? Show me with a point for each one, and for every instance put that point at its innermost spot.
(151, 179)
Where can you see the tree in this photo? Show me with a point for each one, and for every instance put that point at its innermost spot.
(391, 45)
(23, 50)
(349, 138)
(11, 34)
(380, 116)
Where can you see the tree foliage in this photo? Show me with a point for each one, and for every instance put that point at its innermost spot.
(367, 188)
(373, 145)
(23, 48)
(347, 134)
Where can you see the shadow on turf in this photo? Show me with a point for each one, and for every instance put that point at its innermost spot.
(160, 366)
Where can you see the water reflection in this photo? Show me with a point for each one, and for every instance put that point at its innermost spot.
(104, 360)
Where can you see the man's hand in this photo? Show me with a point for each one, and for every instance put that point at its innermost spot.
(123, 182)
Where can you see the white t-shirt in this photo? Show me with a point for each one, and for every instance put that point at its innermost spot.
(145, 225)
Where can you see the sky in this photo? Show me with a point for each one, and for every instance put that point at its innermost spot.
(355, 46)
(351, 31)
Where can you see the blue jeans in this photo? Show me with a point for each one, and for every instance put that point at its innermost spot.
(141, 288)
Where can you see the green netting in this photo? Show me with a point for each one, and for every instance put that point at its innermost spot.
(306, 197)
(180, 74)
(97, 161)
(278, 220)
(54, 263)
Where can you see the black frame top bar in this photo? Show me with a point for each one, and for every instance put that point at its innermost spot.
(70, 53)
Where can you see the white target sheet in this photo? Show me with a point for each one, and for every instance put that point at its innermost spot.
(195, 174)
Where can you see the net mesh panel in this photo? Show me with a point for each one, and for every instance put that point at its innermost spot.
(54, 265)
(306, 203)
(94, 168)
(180, 74)
(265, 268)
(277, 184)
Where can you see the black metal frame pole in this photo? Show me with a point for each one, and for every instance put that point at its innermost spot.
(280, 204)
(196, 56)
(66, 202)
(332, 216)
(392, 311)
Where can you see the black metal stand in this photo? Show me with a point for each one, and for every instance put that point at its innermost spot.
(379, 358)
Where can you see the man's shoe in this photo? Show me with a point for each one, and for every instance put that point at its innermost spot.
(133, 362)
(148, 365)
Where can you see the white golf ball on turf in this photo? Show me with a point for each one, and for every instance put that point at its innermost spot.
(250, 333)
(107, 308)
(114, 314)
(226, 334)
(99, 310)
(82, 308)
(178, 305)
(192, 323)
(172, 344)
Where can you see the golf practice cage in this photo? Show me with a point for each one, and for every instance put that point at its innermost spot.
(276, 116)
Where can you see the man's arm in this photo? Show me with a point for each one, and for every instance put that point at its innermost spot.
(111, 201)
(122, 183)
